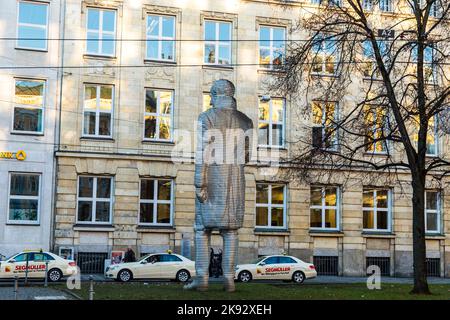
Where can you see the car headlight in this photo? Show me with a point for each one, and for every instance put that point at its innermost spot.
(113, 268)
(236, 268)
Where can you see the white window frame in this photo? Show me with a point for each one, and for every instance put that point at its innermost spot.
(269, 205)
(323, 126)
(217, 43)
(98, 111)
(438, 212)
(386, 5)
(271, 46)
(323, 54)
(155, 201)
(30, 106)
(94, 200)
(375, 210)
(19, 24)
(367, 5)
(101, 32)
(158, 114)
(372, 60)
(38, 198)
(270, 122)
(436, 137)
(374, 129)
(160, 38)
(323, 207)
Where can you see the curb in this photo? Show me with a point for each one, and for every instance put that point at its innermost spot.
(69, 292)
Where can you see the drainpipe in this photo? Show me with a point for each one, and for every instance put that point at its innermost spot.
(57, 131)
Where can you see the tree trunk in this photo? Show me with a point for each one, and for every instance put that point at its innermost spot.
(419, 246)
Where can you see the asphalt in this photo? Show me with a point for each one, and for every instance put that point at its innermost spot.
(33, 293)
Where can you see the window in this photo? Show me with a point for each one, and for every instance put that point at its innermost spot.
(286, 260)
(432, 212)
(376, 210)
(432, 136)
(434, 10)
(22, 257)
(370, 67)
(156, 202)
(158, 115)
(217, 42)
(375, 120)
(386, 5)
(41, 257)
(29, 107)
(429, 66)
(384, 263)
(325, 116)
(169, 258)
(101, 32)
(98, 110)
(326, 265)
(94, 199)
(367, 5)
(24, 191)
(324, 208)
(325, 57)
(330, 2)
(32, 25)
(270, 205)
(160, 38)
(206, 101)
(271, 122)
(272, 46)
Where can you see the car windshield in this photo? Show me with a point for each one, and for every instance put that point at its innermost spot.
(259, 259)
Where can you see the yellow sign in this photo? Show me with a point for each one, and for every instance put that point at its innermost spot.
(19, 155)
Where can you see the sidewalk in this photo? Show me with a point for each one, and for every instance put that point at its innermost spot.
(33, 293)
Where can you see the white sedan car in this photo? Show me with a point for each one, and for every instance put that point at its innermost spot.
(154, 266)
(35, 262)
(277, 267)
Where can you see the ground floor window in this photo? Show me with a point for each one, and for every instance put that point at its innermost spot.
(324, 208)
(326, 265)
(384, 263)
(92, 262)
(24, 191)
(156, 202)
(433, 267)
(270, 205)
(94, 199)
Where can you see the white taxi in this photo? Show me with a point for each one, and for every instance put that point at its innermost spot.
(277, 267)
(154, 266)
(35, 262)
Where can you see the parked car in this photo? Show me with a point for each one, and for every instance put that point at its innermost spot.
(35, 262)
(154, 266)
(276, 267)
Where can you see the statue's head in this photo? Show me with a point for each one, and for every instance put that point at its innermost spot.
(222, 92)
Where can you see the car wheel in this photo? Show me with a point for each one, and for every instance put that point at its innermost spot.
(298, 277)
(125, 275)
(183, 276)
(245, 276)
(54, 275)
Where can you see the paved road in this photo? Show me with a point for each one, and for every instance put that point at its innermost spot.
(33, 293)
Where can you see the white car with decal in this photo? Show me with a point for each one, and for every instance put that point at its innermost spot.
(276, 267)
(154, 266)
(35, 262)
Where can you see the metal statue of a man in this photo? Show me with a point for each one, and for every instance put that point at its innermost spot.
(224, 140)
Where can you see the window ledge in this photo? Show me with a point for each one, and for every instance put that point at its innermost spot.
(376, 154)
(386, 235)
(85, 138)
(271, 232)
(324, 75)
(270, 71)
(28, 133)
(171, 143)
(23, 224)
(217, 67)
(437, 236)
(98, 57)
(155, 61)
(326, 233)
(282, 148)
(155, 229)
(93, 227)
(31, 49)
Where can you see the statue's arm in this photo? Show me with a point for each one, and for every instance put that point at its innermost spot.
(201, 170)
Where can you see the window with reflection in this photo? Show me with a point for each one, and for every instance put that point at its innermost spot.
(270, 205)
(94, 199)
(325, 55)
(432, 136)
(32, 25)
(271, 122)
(217, 42)
(386, 5)
(101, 32)
(325, 115)
(29, 101)
(206, 101)
(432, 212)
(160, 38)
(24, 195)
(376, 209)
(272, 46)
(156, 201)
(158, 115)
(369, 66)
(429, 64)
(375, 119)
(98, 110)
(324, 207)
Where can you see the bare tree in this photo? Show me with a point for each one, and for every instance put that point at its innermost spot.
(400, 62)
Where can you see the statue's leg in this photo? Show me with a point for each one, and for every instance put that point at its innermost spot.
(230, 247)
(202, 241)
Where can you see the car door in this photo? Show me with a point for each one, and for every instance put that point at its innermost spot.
(151, 268)
(288, 266)
(16, 266)
(263, 270)
(169, 266)
(37, 264)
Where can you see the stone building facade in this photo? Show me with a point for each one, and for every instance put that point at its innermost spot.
(125, 163)
(29, 102)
